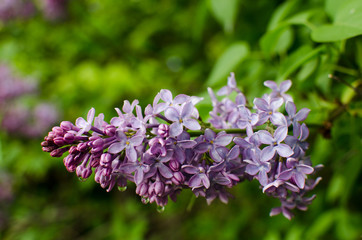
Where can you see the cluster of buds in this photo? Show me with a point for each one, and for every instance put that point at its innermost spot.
(167, 147)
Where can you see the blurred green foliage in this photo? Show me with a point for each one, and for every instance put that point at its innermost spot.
(107, 51)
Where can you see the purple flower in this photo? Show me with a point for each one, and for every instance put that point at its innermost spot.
(166, 96)
(296, 171)
(139, 168)
(275, 144)
(181, 118)
(269, 110)
(199, 177)
(157, 164)
(212, 142)
(293, 116)
(258, 166)
(128, 143)
(83, 125)
(297, 141)
(230, 87)
(279, 91)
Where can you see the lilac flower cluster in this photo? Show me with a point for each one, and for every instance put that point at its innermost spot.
(15, 117)
(167, 148)
(24, 9)
(14, 9)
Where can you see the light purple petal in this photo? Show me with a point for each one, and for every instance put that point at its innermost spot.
(265, 137)
(285, 85)
(181, 98)
(126, 106)
(276, 103)
(251, 169)
(263, 177)
(267, 153)
(299, 180)
(192, 124)
(286, 175)
(166, 95)
(234, 152)
(205, 180)
(172, 114)
(190, 169)
(215, 155)
(136, 140)
(187, 110)
(302, 114)
(202, 147)
(304, 132)
(116, 147)
(209, 134)
(223, 91)
(186, 143)
(138, 176)
(242, 142)
(131, 154)
(290, 108)
(90, 115)
(195, 181)
(280, 134)
(223, 139)
(160, 107)
(164, 171)
(305, 169)
(81, 123)
(121, 136)
(278, 119)
(261, 104)
(271, 84)
(283, 150)
(275, 211)
(175, 129)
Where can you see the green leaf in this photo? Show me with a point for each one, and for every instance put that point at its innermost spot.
(228, 61)
(332, 6)
(277, 41)
(347, 22)
(225, 13)
(332, 33)
(281, 13)
(297, 59)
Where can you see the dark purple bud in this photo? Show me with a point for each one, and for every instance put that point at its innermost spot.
(159, 188)
(58, 152)
(110, 130)
(66, 125)
(142, 189)
(59, 141)
(106, 160)
(174, 165)
(82, 147)
(83, 172)
(163, 130)
(73, 150)
(178, 178)
(48, 149)
(58, 131)
(69, 137)
(45, 144)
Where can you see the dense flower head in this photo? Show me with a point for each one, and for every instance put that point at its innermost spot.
(167, 148)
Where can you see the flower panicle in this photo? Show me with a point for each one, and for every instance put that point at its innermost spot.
(154, 147)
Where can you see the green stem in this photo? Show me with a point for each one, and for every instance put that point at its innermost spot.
(230, 131)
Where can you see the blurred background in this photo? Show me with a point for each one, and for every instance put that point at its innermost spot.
(59, 58)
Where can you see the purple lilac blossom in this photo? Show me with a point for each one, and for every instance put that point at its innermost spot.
(161, 156)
